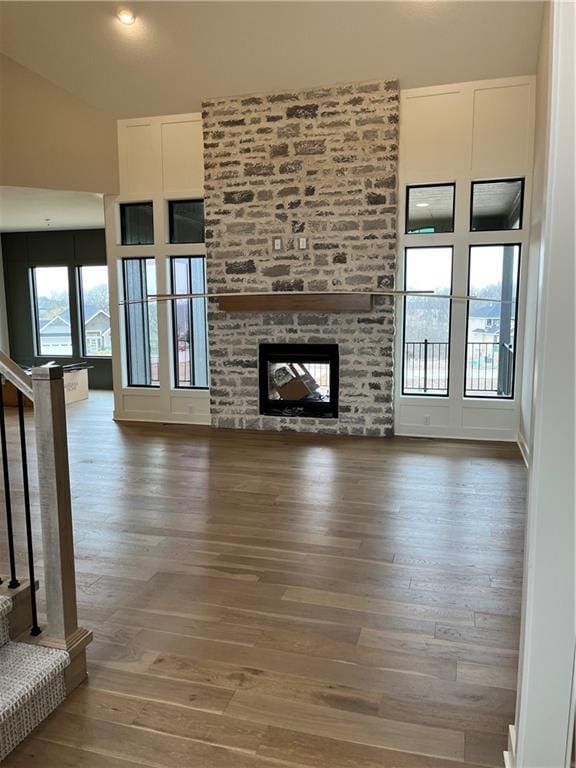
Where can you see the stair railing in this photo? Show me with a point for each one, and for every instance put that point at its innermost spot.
(45, 388)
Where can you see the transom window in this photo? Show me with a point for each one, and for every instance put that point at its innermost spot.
(186, 221)
(430, 209)
(496, 205)
(136, 224)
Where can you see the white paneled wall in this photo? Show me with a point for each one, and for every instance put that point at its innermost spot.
(460, 133)
(160, 159)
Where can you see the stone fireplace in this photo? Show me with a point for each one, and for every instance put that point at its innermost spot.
(300, 194)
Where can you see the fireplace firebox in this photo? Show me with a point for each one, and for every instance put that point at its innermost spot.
(299, 380)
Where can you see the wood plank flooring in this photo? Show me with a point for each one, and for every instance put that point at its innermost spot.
(288, 600)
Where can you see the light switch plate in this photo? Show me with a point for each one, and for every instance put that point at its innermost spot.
(302, 243)
(276, 243)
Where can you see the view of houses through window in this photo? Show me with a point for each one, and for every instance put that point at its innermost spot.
(95, 311)
(55, 322)
(51, 293)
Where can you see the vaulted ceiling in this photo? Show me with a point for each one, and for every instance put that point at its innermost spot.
(178, 53)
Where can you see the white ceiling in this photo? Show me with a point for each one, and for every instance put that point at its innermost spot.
(24, 209)
(178, 53)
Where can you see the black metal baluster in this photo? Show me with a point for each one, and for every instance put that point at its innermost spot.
(13, 583)
(35, 628)
(421, 385)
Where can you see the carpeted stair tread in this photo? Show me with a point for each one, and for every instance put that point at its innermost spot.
(23, 670)
(31, 684)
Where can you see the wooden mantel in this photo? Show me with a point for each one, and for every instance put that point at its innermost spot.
(296, 302)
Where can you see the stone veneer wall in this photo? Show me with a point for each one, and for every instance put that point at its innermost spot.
(320, 163)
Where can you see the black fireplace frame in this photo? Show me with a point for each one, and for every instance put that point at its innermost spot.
(312, 353)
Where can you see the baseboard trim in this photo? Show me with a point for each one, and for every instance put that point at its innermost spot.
(483, 437)
(510, 754)
(524, 450)
(142, 418)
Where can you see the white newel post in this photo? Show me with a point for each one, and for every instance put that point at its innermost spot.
(56, 515)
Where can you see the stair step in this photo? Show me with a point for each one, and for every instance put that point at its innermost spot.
(20, 617)
(27, 666)
(5, 608)
(31, 684)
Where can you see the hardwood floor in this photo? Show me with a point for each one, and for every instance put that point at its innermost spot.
(289, 600)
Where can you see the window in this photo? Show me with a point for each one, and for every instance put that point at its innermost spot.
(430, 209)
(51, 300)
(186, 219)
(497, 205)
(190, 335)
(426, 350)
(491, 323)
(141, 322)
(136, 224)
(95, 308)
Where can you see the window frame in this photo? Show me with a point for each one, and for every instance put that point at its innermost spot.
(428, 186)
(175, 359)
(512, 395)
(146, 324)
(37, 345)
(519, 228)
(450, 301)
(82, 314)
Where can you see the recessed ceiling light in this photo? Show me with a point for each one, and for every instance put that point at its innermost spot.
(422, 205)
(126, 16)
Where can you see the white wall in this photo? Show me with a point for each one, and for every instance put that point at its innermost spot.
(543, 734)
(536, 235)
(160, 159)
(459, 133)
(49, 139)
